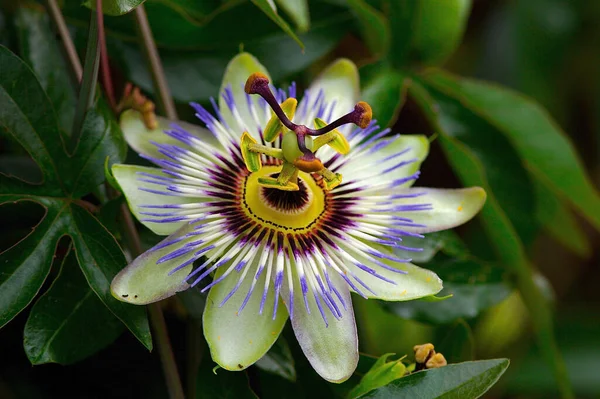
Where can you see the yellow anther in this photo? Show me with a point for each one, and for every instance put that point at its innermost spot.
(367, 114)
(255, 78)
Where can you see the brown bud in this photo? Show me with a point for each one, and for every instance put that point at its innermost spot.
(436, 361)
(423, 352)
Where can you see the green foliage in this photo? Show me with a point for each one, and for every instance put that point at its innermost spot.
(115, 7)
(271, 12)
(68, 323)
(279, 361)
(462, 380)
(28, 117)
(381, 374)
(373, 25)
(214, 382)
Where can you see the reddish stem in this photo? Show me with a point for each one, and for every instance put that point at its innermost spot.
(104, 67)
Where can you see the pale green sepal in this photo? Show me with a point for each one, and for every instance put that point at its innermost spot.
(140, 138)
(144, 281)
(435, 298)
(238, 339)
(127, 176)
(237, 72)
(340, 83)
(331, 350)
(451, 207)
(416, 283)
(382, 373)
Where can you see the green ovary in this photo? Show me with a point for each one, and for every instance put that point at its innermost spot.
(289, 145)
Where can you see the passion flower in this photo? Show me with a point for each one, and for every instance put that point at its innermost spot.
(261, 215)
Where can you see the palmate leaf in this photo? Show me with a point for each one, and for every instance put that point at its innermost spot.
(69, 322)
(28, 117)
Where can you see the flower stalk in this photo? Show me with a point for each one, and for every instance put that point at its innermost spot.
(163, 94)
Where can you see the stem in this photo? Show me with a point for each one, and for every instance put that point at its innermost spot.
(157, 319)
(194, 350)
(104, 67)
(69, 48)
(163, 93)
(165, 101)
(165, 351)
(87, 89)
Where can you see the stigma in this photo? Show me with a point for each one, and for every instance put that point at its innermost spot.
(297, 148)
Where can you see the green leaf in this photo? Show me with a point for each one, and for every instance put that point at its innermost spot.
(297, 11)
(39, 49)
(213, 382)
(380, 374)
(373, 25)
(385, 90)
(456, 342)
(462, 380)
(474, 285)
(114, 7)
(472, 167)
(195, 76)
(214, 33)
(271, 12)
(402, 28)
(426, 31)
(26, 265)
(68, 323)
(497, 156)
(467, 301)
(446, 241)
(554, 215)
(279, 361)
(544, 147)
(27, 115)
(101, 137)
(101, 258)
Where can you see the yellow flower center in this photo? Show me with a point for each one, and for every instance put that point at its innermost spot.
(286, 211)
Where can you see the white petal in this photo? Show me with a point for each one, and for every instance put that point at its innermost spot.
(331, 350)
(238, 339)
(128, 178)
(144, 281)
(237, 72)
(370, 166)
(416, 283)
(140, 138)
(340, 84)
(451, 207)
